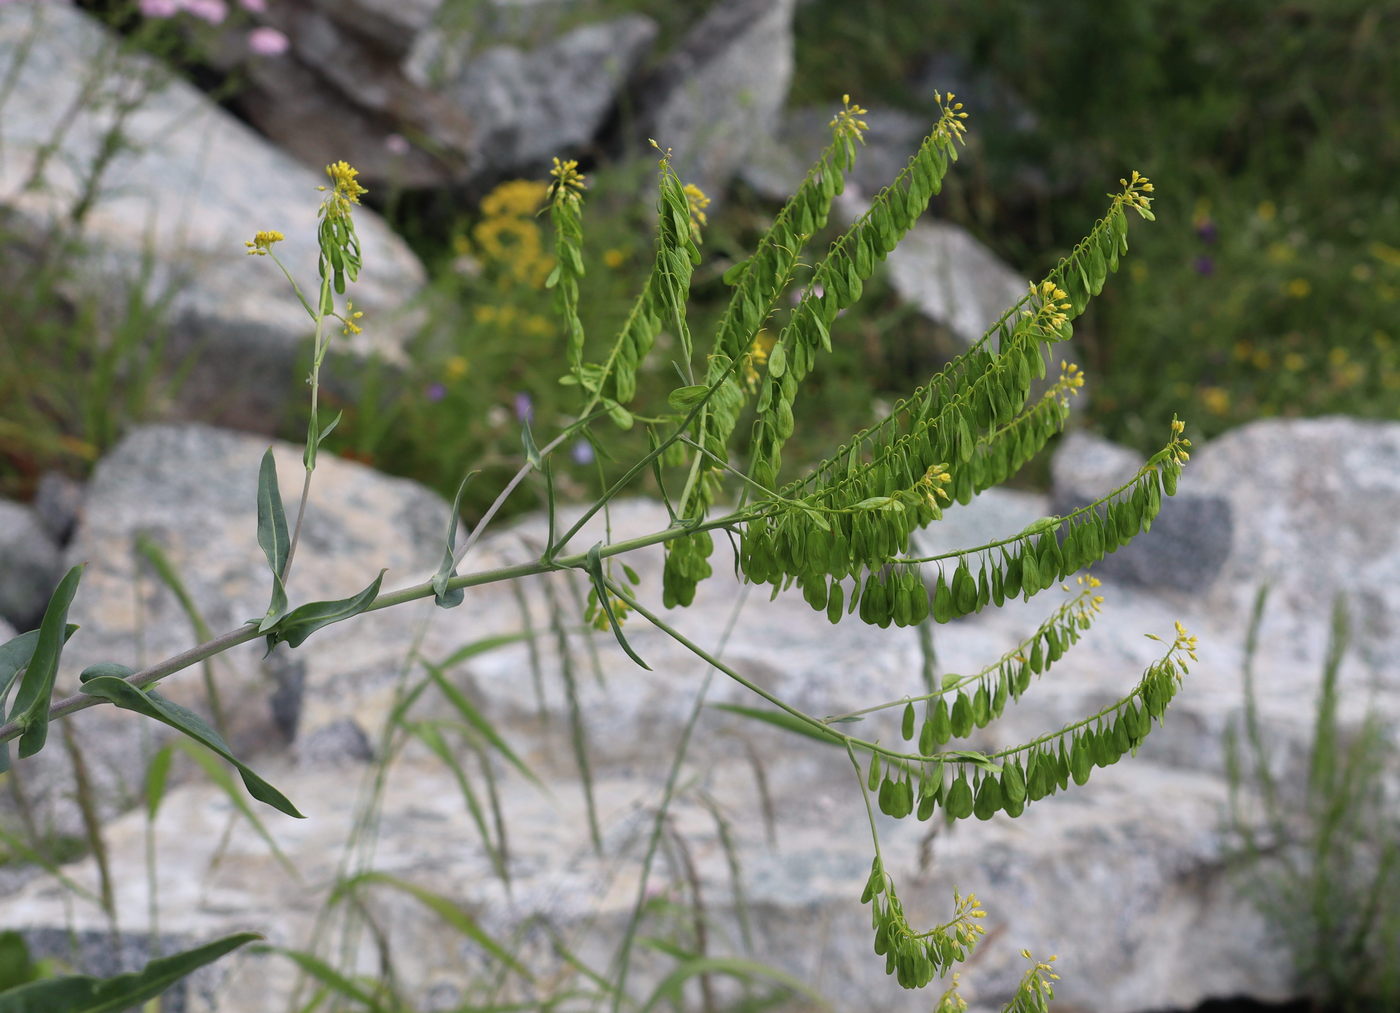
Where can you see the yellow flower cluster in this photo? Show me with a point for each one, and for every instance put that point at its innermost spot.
(507, 237)
(696, 203)
(1185, 642)
(351, 319)
(950, 1001)
(966, 923)
(1054, 305)
(933, 484)
(952, 117)
(1071, 381)
(847, 122)
(568, 181)
(762, 344)
(1180, 444)
(1135, 191)
(262, 242)
(516, 197)
(343, 192)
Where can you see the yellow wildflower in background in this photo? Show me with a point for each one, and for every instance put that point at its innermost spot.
(455, 367)
(518, 197)
(262, 242)
(614, 258)
(1299, 288)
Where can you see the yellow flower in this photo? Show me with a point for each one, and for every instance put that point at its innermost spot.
(261, 242)
(349, 320)
(520, 197)
(847, 122)
(345, 190)
(696, 203)
(1266, 211)
(1216, 400)
(455, 367)
(614, 258)
(568, 181)
(763, 343)
(1299, 288)
(1293, 362)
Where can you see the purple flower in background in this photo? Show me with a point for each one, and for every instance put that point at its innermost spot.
(159, 8)
(1205, 266)
(1206, 231)
(256, 6)
(524, 407)
(582, 452)
(212, 11)
(435, 392)
(267, 42)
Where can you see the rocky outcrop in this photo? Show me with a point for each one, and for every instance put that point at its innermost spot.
(182, 185)
(1132, 862)
(721, 89)
(30, 565)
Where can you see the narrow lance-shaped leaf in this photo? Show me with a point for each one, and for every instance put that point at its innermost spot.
(152, 705)
(14, 656)
(442, 595)
(301, 622)
(595, 572)
(80, 993)
(31, 709)
(273, 537)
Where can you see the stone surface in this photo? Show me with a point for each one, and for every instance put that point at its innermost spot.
(525, 106)
(1190, 538)
(191, 491)
(1315, 504)
(720, 89)
(1124, 878)
(30, 565)
(953, 279)
(426, 97)
(188, 186)
(58, 501)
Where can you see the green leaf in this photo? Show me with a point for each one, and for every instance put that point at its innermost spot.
(80, 993)
(594, 566)
(442, 595)
(781, 719)
(301, 622)
(685, 398)
(273, 537)
(31, 707)
(670, 988)
(14, 656)
(152, 705)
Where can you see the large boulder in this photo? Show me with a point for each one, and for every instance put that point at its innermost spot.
(721, 89)
(189, 495)
(1142, 841)
(422, 97)
(182, 185)
(1190, 537)
(30, 565)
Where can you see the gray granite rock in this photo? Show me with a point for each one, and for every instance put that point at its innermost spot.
(1315, 504)
(720, 89)
(953, 279)
(521, 107)
(57, 503)
(191, 492)
(186, 187)
(1190, 539)
(1125, 878)
(30, 565)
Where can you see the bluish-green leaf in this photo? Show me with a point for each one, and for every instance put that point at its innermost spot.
(781, 719)
(31, 707)
(301, 622)
(442, 595)
(14, 656)
(154, 706)
(273, 537)
(80, 993)
(594, 567)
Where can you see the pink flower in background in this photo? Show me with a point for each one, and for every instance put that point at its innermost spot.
(212, 11)
(159, 8)
(397, 144)
(256, 6)
(267, 42)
